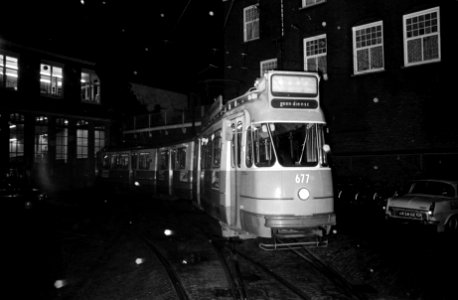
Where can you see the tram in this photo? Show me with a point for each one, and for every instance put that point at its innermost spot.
(259, 164)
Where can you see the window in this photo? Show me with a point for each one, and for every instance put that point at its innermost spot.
(368, 48)
(180, 159)
(263, 154)
(144, 160)
(164, 160)
(8, 72)
(90, 87)
(236, 144)
(62, 139)
(82, 139)
(422, 37)
(307, 3)
(16, 126)
(217, 145)
(267, 65)
(250, 23)
(249, 148)
(51, 78)
(206, 162)
(99, 139)
(120, 161)
(41, 139)
(315, 54)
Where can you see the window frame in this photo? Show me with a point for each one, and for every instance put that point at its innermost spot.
(91, 89)
(267, 62)
(316, 56)
(406, 39)
(99, 138)
(16, 137)
(61, 139)
(41, 139)
(4, 70)
(316, 2)
(254, 22)
(49, 92)
(370, 69)
(82, 141)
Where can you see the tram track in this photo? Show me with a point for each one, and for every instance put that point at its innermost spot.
(168, 267)
(323, 283)
(338, 280)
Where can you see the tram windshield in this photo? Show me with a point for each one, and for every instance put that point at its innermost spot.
(295, 144)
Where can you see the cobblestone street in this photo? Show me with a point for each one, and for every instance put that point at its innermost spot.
(91, 249)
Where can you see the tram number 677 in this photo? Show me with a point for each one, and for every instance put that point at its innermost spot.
(302, 178)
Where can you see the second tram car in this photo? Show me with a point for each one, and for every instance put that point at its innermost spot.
(259, 165)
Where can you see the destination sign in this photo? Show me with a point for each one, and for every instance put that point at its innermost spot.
(294, 103)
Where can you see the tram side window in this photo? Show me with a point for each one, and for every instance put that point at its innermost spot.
(263, 152)
(249, 148)
(144, 161)
(206, 162)
(217, 143)
(236, 144)
(113, 159)
(106, 162)
(173, 158)
(164, 160)
(134, 160)
(123, 161)
(180, 159)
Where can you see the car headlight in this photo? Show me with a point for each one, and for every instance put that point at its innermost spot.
(303, 194)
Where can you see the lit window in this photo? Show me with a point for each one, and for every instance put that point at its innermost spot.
(307, 3)
(99, 139)
(8, 72)
(41, 139)
(62, 140)
(51, 78)
(368, 48)
(16, 127)
(250, 23)
(82, 137)
(422, 37)
(267, 65)
(90, 87)
(315, 50)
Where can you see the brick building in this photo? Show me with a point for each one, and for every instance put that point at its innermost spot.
(53, 116)
(387, 76)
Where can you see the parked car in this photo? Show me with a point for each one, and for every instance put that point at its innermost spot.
(432, 202)
(16, 192)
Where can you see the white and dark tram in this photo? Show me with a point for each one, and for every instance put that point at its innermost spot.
(259, 165)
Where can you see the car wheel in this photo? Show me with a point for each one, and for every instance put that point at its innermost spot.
(452, 225)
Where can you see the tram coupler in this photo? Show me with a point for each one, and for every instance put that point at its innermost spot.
(291, 238)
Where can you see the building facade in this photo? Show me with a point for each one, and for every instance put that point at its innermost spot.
(386, 69)
(53, 117)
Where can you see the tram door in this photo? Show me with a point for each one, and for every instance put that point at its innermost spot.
(236, 160)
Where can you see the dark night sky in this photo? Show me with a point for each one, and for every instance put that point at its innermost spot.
(160, 43)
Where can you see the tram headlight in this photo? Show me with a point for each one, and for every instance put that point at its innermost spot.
(303, 194)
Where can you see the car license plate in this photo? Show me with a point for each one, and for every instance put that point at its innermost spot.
(409, 214)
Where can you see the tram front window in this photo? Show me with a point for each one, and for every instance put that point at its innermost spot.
(297, 144)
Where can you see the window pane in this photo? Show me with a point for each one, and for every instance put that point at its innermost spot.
(414, 50)
(16, 141)
(51, 78)
(41, 143)
(362, 57)
(81, 143)
(90, 87)
(430, 47)
(377, 57)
